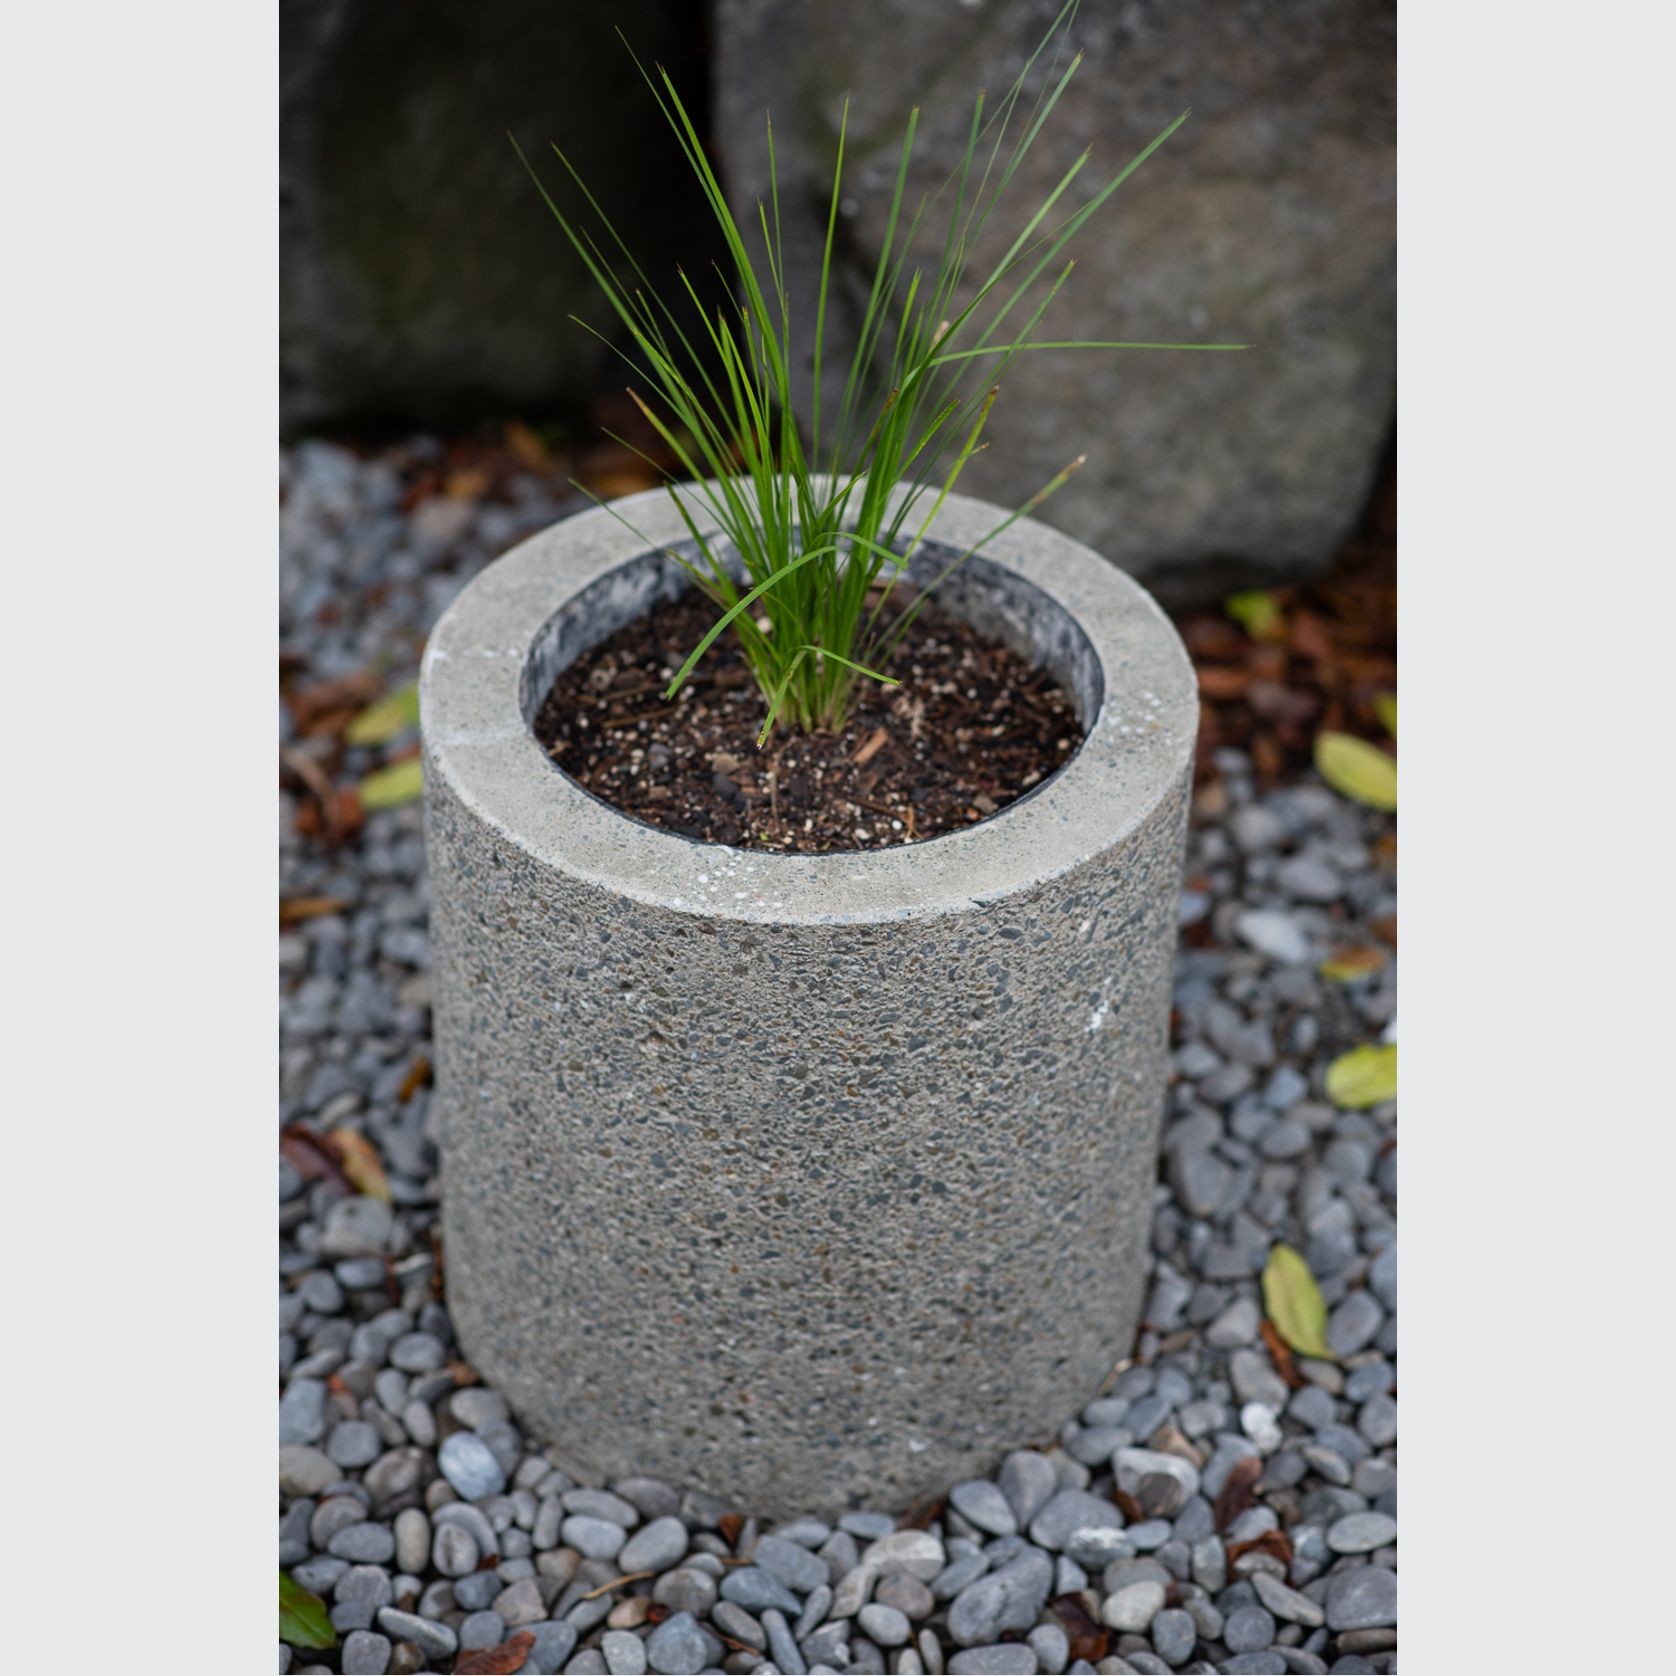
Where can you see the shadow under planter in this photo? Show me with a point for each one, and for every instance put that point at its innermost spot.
(812, 1180)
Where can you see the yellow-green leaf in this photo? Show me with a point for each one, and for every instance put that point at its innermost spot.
(379, 723)
(1352, 965)
(1294, 1303)
(1258, 613)
(1356, 769)
(391, 787)
(1385, 708)
(303, 1620)
(1365, 1076)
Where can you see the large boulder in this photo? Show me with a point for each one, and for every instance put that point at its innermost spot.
(421, 277)
(1269, 218)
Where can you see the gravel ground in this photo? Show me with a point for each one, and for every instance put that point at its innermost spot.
(403, 1481)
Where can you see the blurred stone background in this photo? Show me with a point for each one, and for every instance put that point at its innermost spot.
(423, 282)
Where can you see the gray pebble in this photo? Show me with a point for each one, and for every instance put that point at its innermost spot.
(655, 1547)
(678, 1647)
(686, 1589)
(305, 1470)
(735, 1621)
(469, 1464)
(365, 1653)
(981, 1503)
(1361, 1533)
(758, 1591)
(364, 1543)
(354, 1443)
(598, 1539)
(1363, 1597)
(1354, 1323)
(1174, 1635)
(1028, 1481)
(795, 1566)
(302, 1411)
(1011, 1598)
(454, 1551)
(479, 1630)
(884, 1625)
(781, 1647)
(625, 1653)
(1004, 1659)
(435, 1639)
(1134, 1606)
(413, 1540)
(1287, 1603)
(1247, 1629)
(1070, 1511)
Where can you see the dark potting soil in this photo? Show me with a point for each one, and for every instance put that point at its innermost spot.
(971, 728)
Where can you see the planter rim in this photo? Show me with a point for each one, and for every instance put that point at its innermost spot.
(479, 741)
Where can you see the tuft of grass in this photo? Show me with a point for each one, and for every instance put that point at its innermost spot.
(821, 535)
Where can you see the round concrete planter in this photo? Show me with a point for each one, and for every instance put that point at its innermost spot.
(810, 1180)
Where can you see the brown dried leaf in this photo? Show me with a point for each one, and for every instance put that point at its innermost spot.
(1385, 929)
(1280, 1353)
(526, 447)
(310, 1157)
(294, 910)
(1216, 681)
(730, 1525)
(418, 1076)
(1128, 1506)
(1274, 1543)
(1087, 1639)
(359, 1160)
(1239, 1490)
(308, 705)
(512, 1654)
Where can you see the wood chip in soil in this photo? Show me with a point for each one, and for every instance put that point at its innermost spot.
(972, 728)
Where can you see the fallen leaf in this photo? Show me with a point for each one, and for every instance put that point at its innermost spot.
(359, 1161)
(512, 1654)
(1087, 1639)
(295, 909)
(1280, 1353)
(1294, 1303)
(1352, 965)
(1276, 1544)
(322, 698)
(730, 1525)
(469, 483)
(379, 723)
(1356, 769)
(1258, 613)
(1308, 639)
(303, 1619)
(1219, 681)
(1385, 708)
(310, 1157)
(390, 788)
(418, 1076)
(1365, 1076)
(1239, 1490)
(527, 447)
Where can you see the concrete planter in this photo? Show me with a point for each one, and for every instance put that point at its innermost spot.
(811, 1180)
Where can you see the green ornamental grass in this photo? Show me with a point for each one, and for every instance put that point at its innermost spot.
(822, 538)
